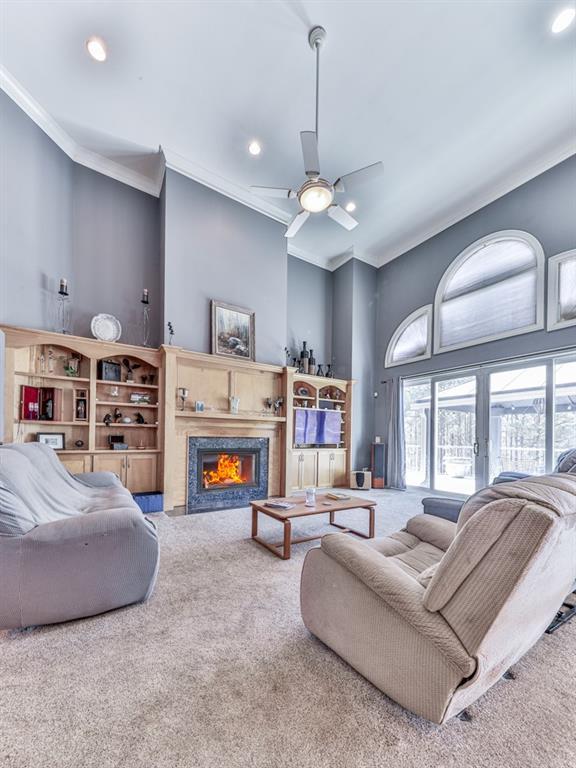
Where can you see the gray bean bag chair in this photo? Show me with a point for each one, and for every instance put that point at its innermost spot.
(69, 547)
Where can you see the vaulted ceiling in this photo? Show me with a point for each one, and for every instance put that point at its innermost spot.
(461, 101)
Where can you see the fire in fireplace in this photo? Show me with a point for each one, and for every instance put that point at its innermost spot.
(226, 472)
(223, 469)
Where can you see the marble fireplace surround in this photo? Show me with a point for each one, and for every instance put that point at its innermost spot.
(198, 500)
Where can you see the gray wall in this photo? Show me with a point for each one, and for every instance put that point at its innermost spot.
(545, 207)
(216, 248)
(59, 219)
(310, 309)
(36, 180)
(116, 253)
(343, 308)
(353, 344)
(363, 345)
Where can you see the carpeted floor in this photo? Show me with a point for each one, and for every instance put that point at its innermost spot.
(217, 671)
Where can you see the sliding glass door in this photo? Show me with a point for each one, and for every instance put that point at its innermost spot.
(462, 430)
(564, 406)
(518, 421)
(456, 435)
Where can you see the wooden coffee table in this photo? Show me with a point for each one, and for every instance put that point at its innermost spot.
(324, 505)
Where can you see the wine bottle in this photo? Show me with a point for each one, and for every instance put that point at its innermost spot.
(312, 363)
(304, 357)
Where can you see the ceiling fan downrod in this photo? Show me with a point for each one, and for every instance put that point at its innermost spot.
(316, 39)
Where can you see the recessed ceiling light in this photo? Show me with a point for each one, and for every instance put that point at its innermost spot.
(96, 48)
(563, 20)
(254, 148)
(351, 206)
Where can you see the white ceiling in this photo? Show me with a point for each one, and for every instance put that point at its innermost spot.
(462, 101)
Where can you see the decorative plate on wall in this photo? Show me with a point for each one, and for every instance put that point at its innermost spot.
(106, 328)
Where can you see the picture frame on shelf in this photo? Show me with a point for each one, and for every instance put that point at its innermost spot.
(55, 440)
(233, 330)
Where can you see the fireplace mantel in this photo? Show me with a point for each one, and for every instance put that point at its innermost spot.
(244, 416)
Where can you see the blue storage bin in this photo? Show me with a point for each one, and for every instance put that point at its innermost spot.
(149, 502)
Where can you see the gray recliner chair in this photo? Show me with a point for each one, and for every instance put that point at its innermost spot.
(69, 548)
(436, 614)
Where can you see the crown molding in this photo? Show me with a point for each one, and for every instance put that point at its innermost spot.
(196, 172)
(35, 112)
(479, 201)
(311, 258)
(69, 146)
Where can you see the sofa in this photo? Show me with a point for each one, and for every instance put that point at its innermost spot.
(70, 547)
(436, 614)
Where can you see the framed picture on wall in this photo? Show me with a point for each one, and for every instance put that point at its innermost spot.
(232, 331)
(56, 440)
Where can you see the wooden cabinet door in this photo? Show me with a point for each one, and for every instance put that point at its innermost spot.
(76, 464)
(111, 462)
(325, 469)
(296, 470)
(339, 478)
(141, 473)
(309, 468)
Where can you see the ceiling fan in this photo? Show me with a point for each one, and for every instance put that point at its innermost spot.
(316, 195)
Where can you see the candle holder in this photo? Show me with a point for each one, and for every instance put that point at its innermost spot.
(63, 299)
(183, 395)
(145, 301)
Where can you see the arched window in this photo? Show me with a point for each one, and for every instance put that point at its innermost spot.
(562, 290)
(412, 340)
(493, 289)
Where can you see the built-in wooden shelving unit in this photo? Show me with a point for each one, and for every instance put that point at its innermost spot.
(315, 464)
(67, 369)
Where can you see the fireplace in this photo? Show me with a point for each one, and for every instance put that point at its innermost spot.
(224, 469)
(226, 472)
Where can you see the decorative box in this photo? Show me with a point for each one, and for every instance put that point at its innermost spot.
(149, 502)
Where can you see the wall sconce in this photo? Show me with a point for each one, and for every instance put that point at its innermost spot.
(183, 395)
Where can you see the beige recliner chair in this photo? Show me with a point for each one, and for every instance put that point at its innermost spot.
(434, 615)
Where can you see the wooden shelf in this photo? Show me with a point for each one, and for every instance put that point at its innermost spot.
(52, 377)
(330, 400)
(227, 415)
(133, 384)
(126, 405)
(120, 425)
(45, 423)
(128, 450)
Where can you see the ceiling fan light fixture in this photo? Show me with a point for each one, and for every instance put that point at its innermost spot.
(563, 20)
(96, 47)
(316, 196)
(351, 206)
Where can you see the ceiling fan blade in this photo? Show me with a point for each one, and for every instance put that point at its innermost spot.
(368, 173)
(274, 192)
(310, 153)
(296, 223)
(343, 218)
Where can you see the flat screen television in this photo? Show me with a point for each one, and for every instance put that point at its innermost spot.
(315, 427)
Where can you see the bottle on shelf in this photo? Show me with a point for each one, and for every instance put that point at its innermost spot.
(312, 363)
(304, 358)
